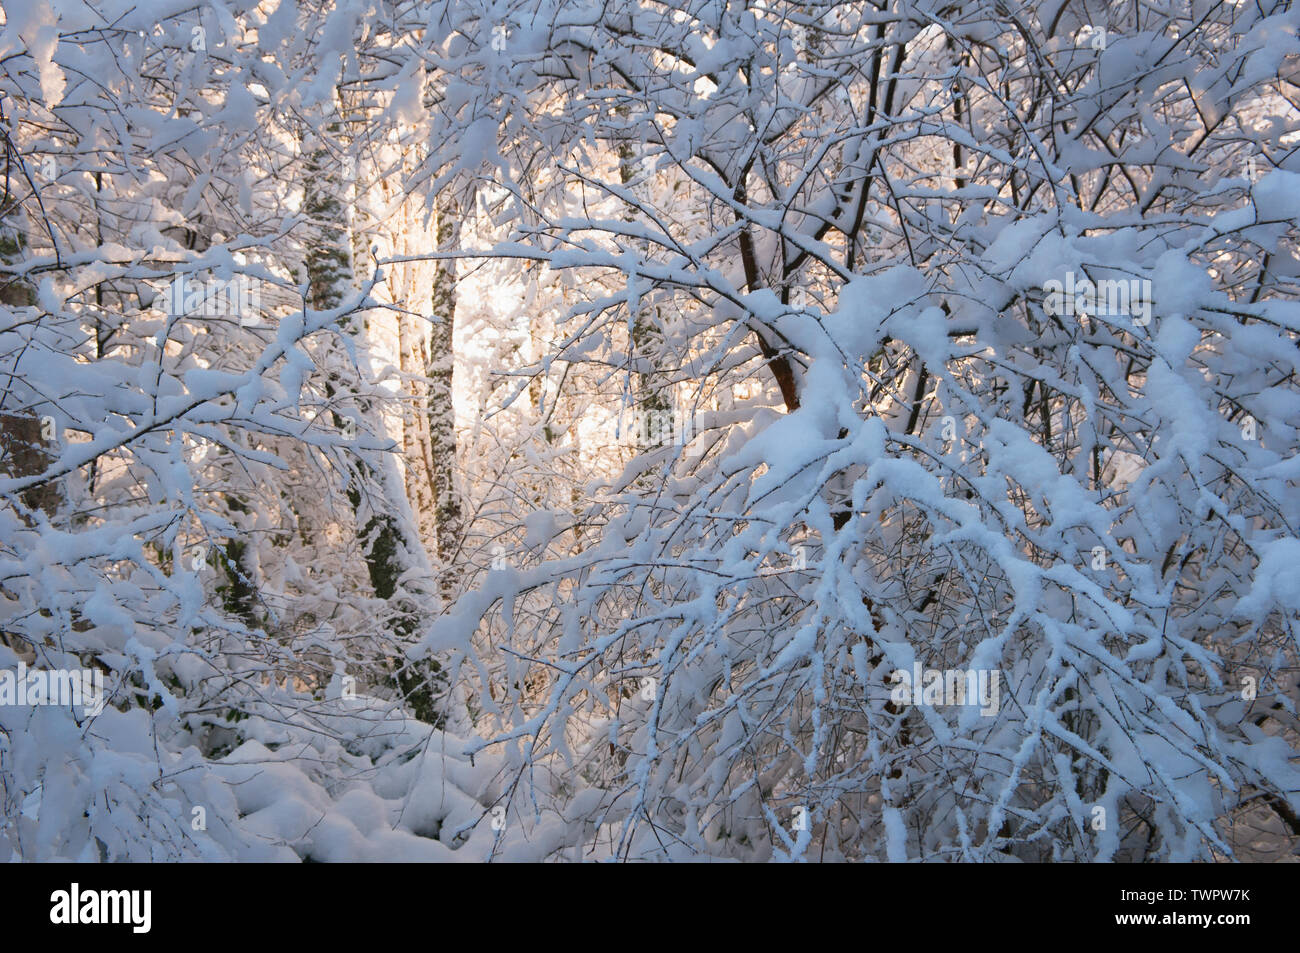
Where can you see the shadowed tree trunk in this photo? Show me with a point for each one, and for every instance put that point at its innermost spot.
(648, 397)
(330, 275)
(427, 353)
(440, 370)
(25, 438)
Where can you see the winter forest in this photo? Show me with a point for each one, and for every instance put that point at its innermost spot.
(650, 430)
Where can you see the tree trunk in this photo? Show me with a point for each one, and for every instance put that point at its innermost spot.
(330, 275)
(440, 370)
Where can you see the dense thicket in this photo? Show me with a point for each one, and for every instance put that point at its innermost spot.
(630, 397)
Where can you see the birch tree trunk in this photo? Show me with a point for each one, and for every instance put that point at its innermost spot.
(386, 547)
(442, 410)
